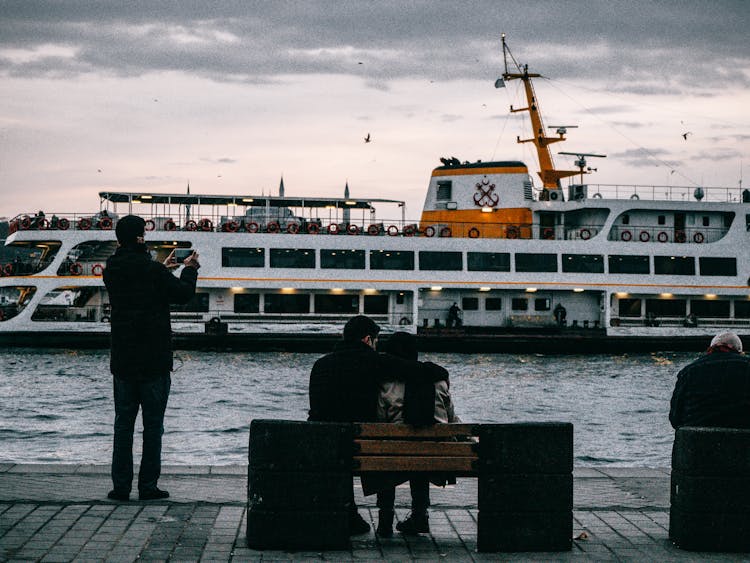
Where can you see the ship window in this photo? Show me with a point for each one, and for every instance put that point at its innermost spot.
(742, 309)
(441, 260)
(376, 304)
(583, 263)
(533, 262)
(626, 219)
(666, 307)
(470, 303)
(541, 304)
(246, 302)
(292, 258)
(629, 307)
(706, 221)
(342, 259)
(243, 257)
(627, 264)
(330, 303)
(198, 304)
(488, 261)
(400, 298)
(709, 308)
(286, 303)
(674, 265)
(718, 266)
(519, 304)
(493, 304)
(444, 190)
(661, 219)
(391, 260)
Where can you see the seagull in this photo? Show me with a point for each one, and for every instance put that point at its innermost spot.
(367, 139)
(684, 135)
(98, 169)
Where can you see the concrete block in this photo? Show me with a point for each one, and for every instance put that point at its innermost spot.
(525, 493)
(540, 447)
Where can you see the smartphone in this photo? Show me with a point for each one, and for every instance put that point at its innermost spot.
(180, 254)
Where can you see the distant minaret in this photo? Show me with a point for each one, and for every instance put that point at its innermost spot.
(281, 187)
(187, 206)
(347, 213)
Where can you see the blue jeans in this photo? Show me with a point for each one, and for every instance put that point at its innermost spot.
(151, 396)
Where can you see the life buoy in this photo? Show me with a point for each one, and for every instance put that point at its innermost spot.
(597, 195)
(474, 233)
(644, 236)
(352, 229)
(104, 319)
(313, 228)
(97, 269)
(106, 223)
(429, 231)
(205, 224)
(8, 269)
(698, 237)
(626, 236)
(43, 225)
(404, 321)
(150, 225)
(273, 227)
(25, 222)
(409, 230)
(680, 236)
(392, 230)
(446, 232)
(510, 232)
(232, 226)
(662, 237)
(548, 233)
(333, 229)
(63, 224)
(84, 224)
(170, 225)
(251, 227)
(191, 225)
(292, 228)
(373, 230)
(585, 234)
(634, 196)
(76, 269)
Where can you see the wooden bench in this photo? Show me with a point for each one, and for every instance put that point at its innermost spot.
(300, 478)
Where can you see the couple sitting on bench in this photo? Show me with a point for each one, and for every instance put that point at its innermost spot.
(356, 383)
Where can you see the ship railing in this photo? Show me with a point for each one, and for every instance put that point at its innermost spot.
(664, 233)
(41, 221)
(678, 322)
(313, 318)
(668, 193)
(70, 313)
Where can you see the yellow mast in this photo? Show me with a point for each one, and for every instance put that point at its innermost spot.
(549, 176)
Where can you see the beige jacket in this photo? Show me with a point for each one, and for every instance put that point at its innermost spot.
(391, 403)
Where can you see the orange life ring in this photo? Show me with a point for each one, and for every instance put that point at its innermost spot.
(205, 224)
(644, 236)
(25, 222)
(373, 230)
(170, 225)
(333, 229)
(313, 228)
(106, 223)
(43, 225)
(76, 269)
(429, 231)
(84, 224)
(150, 225)
(392, 230)
(292, 228)
(585, 234)
(510, 232)
(8, 269)
(273, 227)
(680, 236)
(548, 233)
(191, 225)
(662, 237)
(232, 226)
(251, 227)
(63, 224)
(698, 237)
(626, 236)
(97, 269)
(474, 233)
(409, 230)
(352, 229)
(446, 232)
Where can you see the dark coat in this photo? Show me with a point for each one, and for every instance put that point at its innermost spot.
(713, 391)
(140, 292)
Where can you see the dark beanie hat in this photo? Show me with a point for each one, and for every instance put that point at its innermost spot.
(360, 326)
(129, 228)
(401, 344)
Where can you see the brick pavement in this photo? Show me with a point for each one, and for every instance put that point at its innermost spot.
(60, 513)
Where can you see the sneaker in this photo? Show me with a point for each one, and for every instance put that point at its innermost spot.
(152, 494)
(114, 494)
(415, 523)
(357, 525)
(385, 523)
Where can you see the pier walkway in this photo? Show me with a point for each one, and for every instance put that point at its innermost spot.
(60, 513)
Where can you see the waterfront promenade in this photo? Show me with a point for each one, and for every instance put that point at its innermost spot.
(60, 513)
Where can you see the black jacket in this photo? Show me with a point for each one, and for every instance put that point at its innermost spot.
(344, 385)
(713, 391)
(140, 292)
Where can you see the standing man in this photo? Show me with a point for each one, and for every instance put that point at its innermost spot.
(140, 292)
(714, 390)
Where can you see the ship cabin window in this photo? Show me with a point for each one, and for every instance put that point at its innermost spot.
(742, 309)
(718, 266)
(342, 259)
(376, 305)
(280, 303)
(583, 263)
(243, 257)
(627, 264)
(400, 298)
(488, 261)
(626, 219)
(706, 221)
(629, 307)
(666, 307)
(441, 260)
(391, 260)
(198, 304)
(493, 304)
(444, 190)
(674, 265)
(246, 302)
(541, 304)
(470, 303)
(661, 220)
(292, 258)
(519, 304)
(710, 308)
(533, 262)
(336, 303)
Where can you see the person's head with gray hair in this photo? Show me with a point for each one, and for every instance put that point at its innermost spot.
(726, 340)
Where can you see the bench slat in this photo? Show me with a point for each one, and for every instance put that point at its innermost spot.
(388, 430)
(414, 448)
(464, 465)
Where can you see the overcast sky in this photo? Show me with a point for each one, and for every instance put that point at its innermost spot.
(230, 96)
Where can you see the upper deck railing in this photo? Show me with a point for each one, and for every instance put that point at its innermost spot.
(667, 193)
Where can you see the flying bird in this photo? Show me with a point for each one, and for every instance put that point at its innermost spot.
(98, 169)
(367, 139)
(685, 134)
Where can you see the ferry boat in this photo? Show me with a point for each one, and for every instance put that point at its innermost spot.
(498, 260)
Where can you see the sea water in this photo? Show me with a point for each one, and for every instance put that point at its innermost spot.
(56, 405)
